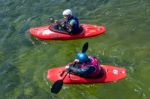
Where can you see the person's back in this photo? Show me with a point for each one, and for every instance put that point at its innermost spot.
(86, 66)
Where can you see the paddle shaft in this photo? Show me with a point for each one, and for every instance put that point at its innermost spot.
(65, 75)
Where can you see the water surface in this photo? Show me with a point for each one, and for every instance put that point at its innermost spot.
(24, 61)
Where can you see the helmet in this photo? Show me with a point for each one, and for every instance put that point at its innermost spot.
(67, 12)
(82, 57)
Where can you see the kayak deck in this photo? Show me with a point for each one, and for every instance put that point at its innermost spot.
(111, 74)
(45, 33)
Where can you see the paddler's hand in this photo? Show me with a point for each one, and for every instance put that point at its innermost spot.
(66, 67)
(56, 21)
(76, 61)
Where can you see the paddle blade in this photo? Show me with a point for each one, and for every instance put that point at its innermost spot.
(57, 86)
(51, 19)
(85, 47)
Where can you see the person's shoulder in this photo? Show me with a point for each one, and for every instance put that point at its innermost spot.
(91, 56)
(72, 21)
(75, 17)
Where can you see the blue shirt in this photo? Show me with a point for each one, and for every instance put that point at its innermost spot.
(73, 21)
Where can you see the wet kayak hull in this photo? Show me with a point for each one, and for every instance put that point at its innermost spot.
(111, 74)
(46, 33)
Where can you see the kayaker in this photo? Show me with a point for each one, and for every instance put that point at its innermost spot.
(70, 23)
(86, 66)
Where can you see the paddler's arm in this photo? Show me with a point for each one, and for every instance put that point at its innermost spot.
(76, 61)
(70, 64)
(70, 25)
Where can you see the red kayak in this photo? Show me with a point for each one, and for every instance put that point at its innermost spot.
(49, 33)
(110, 74)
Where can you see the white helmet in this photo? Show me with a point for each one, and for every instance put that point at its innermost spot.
(67, 12)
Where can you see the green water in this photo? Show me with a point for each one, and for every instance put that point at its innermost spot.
(24, 62)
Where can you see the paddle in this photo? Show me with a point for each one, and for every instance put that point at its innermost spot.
(57, 86)
(52, 19)
(85, 47)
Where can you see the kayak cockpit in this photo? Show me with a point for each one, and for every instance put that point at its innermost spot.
(59, 29)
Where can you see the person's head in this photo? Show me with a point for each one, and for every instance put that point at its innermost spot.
(67, 13)
(82, 57)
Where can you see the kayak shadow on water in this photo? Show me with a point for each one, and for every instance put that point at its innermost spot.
(35, 41)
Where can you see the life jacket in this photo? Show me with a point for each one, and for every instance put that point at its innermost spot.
(76, 27)
(95, 63)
